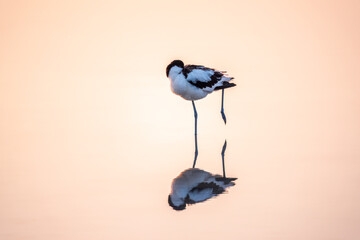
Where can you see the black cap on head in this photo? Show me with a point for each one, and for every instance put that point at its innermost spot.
(178, 208)
(178, 63)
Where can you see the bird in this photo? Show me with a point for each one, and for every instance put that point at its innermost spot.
(194, 185)
(194, 82)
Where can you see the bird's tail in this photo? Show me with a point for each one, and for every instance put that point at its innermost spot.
(225, 84)
(226, 180)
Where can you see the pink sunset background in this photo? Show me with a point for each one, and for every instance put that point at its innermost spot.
(91, 135)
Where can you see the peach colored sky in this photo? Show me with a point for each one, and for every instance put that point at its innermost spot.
(91, 135)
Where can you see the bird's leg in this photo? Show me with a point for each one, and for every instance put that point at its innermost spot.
(222, 106)
(196, 147)
(223, 159)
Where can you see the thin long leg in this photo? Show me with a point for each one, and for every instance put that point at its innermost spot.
(223, 159)
(196, 147)
(222, 106)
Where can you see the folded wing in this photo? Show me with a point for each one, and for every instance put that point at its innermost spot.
(207, 79)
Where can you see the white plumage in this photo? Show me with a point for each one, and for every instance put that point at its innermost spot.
(194, 82)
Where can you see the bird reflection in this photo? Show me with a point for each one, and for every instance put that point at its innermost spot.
(194, 185)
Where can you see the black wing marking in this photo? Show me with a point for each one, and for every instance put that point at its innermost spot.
(216, 189)
(225, 180)
(188, 200)
(225, 85)
(188, 68)
(214, 79)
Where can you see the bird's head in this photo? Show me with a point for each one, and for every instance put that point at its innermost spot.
(175, 66)
(178, 204)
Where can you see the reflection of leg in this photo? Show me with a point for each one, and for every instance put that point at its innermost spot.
(222, 106)
(223, 158)
(196, 148)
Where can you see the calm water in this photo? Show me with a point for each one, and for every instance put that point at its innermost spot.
(91, 136)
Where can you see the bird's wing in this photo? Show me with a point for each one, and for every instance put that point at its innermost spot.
(216, 189)
(197, 196)
(202, 77)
